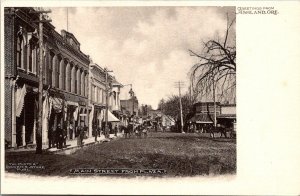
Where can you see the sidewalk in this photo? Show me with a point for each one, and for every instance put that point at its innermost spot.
(71, 145)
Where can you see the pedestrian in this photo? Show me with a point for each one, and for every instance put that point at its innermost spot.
(59, 133)
(144, 131)
(95, 131)
(82, 133)
(126, 131)
(116, 130)
(50, 136)
(78, 134)
(71, 130)
(54, 137)
(65, 133)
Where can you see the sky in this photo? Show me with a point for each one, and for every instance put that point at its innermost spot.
(144, 46)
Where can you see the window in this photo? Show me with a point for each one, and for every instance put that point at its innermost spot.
(57, 74)
(115, 98)
(82, 79)
(54, 70)
(100, 95)
(75, 76)
(50, 75)
(95, 93)
(61, 74)
(36, 60)
(30, 51)
(20, 52)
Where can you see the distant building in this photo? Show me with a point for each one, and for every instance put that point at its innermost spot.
(131, 105)
(228, 115)
(204, 112)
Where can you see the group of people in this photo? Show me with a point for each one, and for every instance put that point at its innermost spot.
(58, 136)
(139, 131)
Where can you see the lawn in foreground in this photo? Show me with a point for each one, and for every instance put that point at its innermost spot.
(179, 154)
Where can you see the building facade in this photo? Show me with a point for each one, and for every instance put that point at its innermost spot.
(97, 98)
(204, 112)
(131, 105)
(65, 79)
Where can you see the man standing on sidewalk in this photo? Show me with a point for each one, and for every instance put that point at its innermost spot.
(59, 133)
(116, 130)
(79, 134)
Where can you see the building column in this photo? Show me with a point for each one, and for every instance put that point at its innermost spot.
(35, 119)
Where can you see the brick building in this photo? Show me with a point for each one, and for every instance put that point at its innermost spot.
(65, 78)
(97, 99)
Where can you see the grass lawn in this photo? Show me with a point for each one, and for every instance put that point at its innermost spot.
(179, 154)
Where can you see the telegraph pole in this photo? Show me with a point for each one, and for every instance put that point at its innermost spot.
(40, 74)
(215, 107)
(132, 97)
(107, 96)
(179, 84)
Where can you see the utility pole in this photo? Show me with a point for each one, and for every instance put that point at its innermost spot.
(40, 74)
(215, 107)
(106, 133)
(132, 98)
(179, 84)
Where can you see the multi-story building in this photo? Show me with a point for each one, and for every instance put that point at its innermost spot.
(97, 97)
(65, 78)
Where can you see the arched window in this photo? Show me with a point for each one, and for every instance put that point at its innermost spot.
(73, 78)
(68, 76)
(50, 67)
(30, 55)
(54, 70)
(57, 75)
(20, 51)
(82, 79)
(78, 81)
(61, 74)
(86, 85)
(115, 98)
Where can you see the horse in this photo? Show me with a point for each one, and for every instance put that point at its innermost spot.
(219, 129)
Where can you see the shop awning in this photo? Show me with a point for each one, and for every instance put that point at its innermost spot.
(227, 116)
(57, 104)
(112, 118)
(20, 95)
(202, 118)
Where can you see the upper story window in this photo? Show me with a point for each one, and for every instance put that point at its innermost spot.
(21, 49)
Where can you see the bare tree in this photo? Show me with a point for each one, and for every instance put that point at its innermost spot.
(216, 68)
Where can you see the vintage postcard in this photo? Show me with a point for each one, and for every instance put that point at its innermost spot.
(108, 97)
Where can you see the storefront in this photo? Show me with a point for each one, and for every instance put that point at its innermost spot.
(26, 114)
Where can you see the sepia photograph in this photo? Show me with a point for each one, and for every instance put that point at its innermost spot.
(120, 91)
(127, 97)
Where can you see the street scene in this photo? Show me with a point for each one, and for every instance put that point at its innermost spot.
(120, 91)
